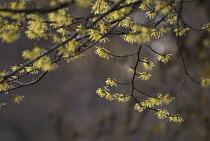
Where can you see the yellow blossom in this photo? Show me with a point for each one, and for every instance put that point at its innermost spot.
(110, 96)
(147, 64)
(172, 18)
(4, 86)
(167, 99)
(206, 27)
(175, 118)
(101, 92)
(122, 97)
(205, 82)
(148, 103)
(102, 52)
(131, 70)
(144, 75)
(164, 58)
(111, 82)
(139, 107)
(35, 52)
(150, 14)
(181, 31)
(161, 114)
(45, 64)
(162, 7)
(10, 36)
(17, 99)
(100, 7)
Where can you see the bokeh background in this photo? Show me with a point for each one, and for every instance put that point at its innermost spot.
(63, 106)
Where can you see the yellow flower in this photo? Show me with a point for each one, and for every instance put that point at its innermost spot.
(131, 70)
(147, 103)
(162, 7)
(205, 82)
(122, 97)
(110, 96)
(175, 118)
(4, 86)
(172, 18)
(100, 7)
(144, 75)
(139, 107)
(150, 14)
(17, 99)
(181, 31)
(147, 64)
(161, 114)
(167, 99)
(35, 52)
(45, 64)
(10, 36)
(101, 92)
(164, 58)
(206, 27)
(102, 52)
(111, 82)
(126, 22)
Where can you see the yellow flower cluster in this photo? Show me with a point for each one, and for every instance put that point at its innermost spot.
(147, 64)
(162, 113)
(131, 70)
(126, 22)
(15, 67)
(162, 7)
(206, 27)
(96, 35)
(151, 14)
(111, 82)
(17, 98)
(17, 5)
(60, 18)
(158, 33)
(104, 92)
(172, 18)
(3, 73)
(205, 82)
(102, 52)
(31, 69)
(181, 31)
(176, 118)
(145, 4)
(36, 27)
(71, 46)
(139, 107)
(45, 64)
(144, 75)
(118, 14)
(164, 58)
(4, 86)
(159, 101)
(100, 7)
(35, 52)
(10, 36)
